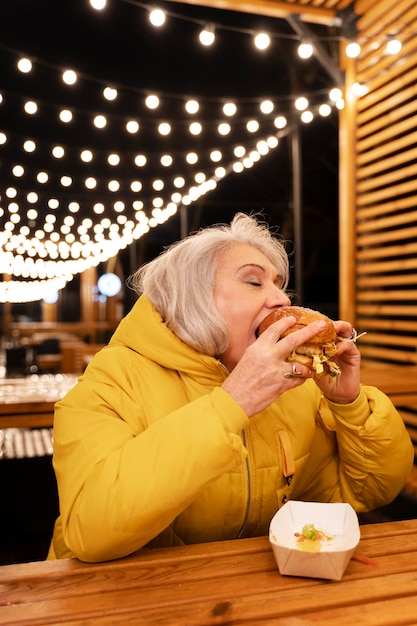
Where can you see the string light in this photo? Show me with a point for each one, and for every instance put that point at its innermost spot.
(98, 5)
(24, 65)
(353, 49)
(393, 46)
(157, 17)
(305, 50)
(69, 77)
(207, 35)
(192, 106)
(48, 246)
(262, 41)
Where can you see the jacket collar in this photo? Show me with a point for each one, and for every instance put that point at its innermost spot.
(144, 331)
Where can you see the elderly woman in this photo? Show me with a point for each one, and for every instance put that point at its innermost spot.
(187, 428)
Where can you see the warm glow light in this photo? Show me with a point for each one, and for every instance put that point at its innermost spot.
(18, 171)
(301, 103)
(267, 106)
(325, 110)
(306, 117)
(140, 160)
(191, 158)
(152, 101)
(110, 93)
(179, 182)
(164, 128)
(100, 121)
(64, 243)
(305, 50)
(91, 183)
(136, 186)
(69, 77)
(132, 126)
(359, 90)
(157, 17)
(207, 35)
(335, 94)
(353, 50)
(58, 152)
(224, 129)
(86, 156)
(192, 106)
(166, 160)
(158, 185)
(229, 109)
(262, 41)
(113, 159)
(280, 122)
(24, 65)
(65, 116)
(98, 5)
(32, 197)
(29, 146)
(252, 126)
(30, 107)
(113, 185)
(216, 156)
(393, 46)
(42, 177)
(195, 128)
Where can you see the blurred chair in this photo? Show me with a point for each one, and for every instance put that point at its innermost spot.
(48, 356)
(16, 363)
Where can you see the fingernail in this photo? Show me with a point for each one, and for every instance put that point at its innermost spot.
(321, 325)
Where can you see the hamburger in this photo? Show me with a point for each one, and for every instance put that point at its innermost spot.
(317, 352)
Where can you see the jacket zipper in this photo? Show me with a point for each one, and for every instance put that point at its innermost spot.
(249, 489)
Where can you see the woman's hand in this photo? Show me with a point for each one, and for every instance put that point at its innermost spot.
(345, 387)
(258, 379)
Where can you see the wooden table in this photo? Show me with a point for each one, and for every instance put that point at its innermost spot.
(231, 582)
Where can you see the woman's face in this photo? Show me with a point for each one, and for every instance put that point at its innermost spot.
(247, 288)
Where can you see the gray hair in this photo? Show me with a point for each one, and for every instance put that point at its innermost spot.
(180, 282)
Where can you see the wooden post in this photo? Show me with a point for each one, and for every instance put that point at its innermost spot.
(347, 197)
(88, 296)
(297, 200)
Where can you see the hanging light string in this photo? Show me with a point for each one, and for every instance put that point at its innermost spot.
(157, 18)
(93, 231)
(58, 219)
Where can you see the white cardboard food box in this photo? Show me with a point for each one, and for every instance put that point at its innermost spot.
(330, 559)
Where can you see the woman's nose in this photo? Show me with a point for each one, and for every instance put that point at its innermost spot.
(278, 297)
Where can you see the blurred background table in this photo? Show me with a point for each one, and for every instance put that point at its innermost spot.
(28, 402)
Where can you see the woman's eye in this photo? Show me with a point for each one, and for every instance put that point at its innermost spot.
(255, 283)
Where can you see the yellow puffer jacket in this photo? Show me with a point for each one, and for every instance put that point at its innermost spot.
(148, 449)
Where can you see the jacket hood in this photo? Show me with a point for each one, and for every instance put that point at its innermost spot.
(144, 331)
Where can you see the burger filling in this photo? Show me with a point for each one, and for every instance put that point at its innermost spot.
(315, 357)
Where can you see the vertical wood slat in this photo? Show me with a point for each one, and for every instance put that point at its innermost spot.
(347, 177)
(385, 185)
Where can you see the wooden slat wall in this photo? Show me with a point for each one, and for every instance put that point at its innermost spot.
(385, 215)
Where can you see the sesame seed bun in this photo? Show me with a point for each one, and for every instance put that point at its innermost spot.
(317, 351)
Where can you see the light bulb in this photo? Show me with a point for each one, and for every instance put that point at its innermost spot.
(393, 46)
(207, 35)
(305, 50)
(157, 17)
(353, 50)
(262, 41)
